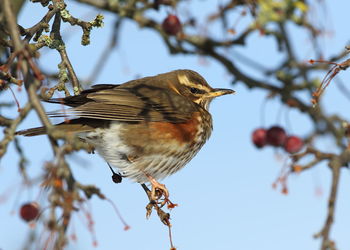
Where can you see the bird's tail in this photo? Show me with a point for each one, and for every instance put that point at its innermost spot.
(73, 126)
(32, 131)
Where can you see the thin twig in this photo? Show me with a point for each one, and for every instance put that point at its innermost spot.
(56, 35)
(328, 244)
(11, 21)
(11, 128)
(163, 216)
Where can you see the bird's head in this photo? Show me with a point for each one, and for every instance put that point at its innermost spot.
(192, 85)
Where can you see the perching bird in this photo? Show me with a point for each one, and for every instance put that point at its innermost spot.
(147, 128)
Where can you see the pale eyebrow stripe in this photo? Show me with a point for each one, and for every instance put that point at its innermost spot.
(183, 79)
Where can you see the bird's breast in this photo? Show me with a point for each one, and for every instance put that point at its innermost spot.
(180, 133)
(156, 148)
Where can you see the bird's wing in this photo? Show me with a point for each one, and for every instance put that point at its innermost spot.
(130, 104)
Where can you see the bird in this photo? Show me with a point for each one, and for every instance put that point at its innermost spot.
(148, 128)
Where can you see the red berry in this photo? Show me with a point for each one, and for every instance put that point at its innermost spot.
(29, 211)
(259, 137)
(293, 144)
(276, 136)
(171, 25)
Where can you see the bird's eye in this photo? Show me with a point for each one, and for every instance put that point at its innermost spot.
(194, 90)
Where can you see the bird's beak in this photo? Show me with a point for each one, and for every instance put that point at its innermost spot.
(219, 92)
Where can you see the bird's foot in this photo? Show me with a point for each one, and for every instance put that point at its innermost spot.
(159, 193)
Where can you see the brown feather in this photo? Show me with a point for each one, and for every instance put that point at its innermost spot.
(141, 103)
(74, 126)
(32, 131)
(163, 98)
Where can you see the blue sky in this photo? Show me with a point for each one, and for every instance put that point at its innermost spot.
(224, 194)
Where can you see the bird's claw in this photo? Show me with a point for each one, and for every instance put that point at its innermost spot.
(160, 194)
